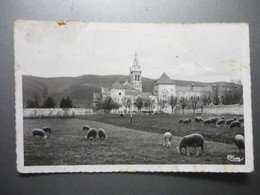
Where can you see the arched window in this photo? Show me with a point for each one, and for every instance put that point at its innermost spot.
(135, 77)
(164, 94)
(138, 77)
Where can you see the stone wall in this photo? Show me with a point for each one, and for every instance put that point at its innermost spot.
(55, 112)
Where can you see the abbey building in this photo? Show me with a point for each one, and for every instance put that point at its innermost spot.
(128, 93)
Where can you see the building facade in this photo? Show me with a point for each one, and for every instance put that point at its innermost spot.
(127, 94)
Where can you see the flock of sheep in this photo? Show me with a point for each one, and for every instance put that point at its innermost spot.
(188, 141)
(197, 140)
(217, 121)
(92, 133)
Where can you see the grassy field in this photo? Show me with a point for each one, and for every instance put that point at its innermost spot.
(67, 145)
(160, 123)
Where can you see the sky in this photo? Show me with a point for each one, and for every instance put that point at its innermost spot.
(197, 52)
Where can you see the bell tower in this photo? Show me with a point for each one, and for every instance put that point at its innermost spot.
(136, 75)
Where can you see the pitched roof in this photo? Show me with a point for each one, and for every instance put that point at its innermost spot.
(96, 95)
(126, 83)
(164, 79)
(132, 92)
(146, 94)
(105, 90)
(117, 85)
(195, 89)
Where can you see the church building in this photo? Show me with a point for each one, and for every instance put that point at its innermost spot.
(126, 94)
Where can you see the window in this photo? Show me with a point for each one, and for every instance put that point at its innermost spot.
(138, 77)
(119, 93)
(164, 94)
(135, 77)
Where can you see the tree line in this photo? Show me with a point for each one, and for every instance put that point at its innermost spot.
(44, 100)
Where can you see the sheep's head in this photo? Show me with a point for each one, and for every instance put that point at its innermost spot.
(178, 148)
(168, 144)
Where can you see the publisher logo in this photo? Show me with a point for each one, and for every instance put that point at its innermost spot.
(232, 158)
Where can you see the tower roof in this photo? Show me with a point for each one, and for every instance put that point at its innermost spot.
(136, 66)
(164, 79)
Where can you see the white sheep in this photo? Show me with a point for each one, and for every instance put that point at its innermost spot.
(102, 134)
(167, 139)
(192, 140)
(40, 133)
(240, 143)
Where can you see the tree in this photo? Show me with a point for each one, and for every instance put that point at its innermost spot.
(66, 103)
(183, 103)
(216, 94)
(172, 101)
(193, 103)
(50, 103)
(30, 103)
(44, 94)
(62, 103)
(126, 103)
(36, 101)
(139, 103)
(162, 104)
(152, 103)
(148, 103)
(205, 99)
(109, 104)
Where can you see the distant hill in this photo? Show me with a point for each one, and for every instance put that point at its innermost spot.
(80, 89)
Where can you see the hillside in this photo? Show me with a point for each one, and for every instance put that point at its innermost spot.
(80, 89)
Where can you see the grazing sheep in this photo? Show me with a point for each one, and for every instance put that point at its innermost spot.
(187, 121)
(46, 129)
(240, 143)
(180, 121)
(220, 122)
(192, 140)
(214, 120)
(235, 124)
(92, 134)
(86, 127)
(167, 139)
(102, 134)
(229, 121)
(207, 122)
(40, 133)
(198, 119)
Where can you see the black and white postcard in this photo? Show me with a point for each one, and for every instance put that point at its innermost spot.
(132, 97)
